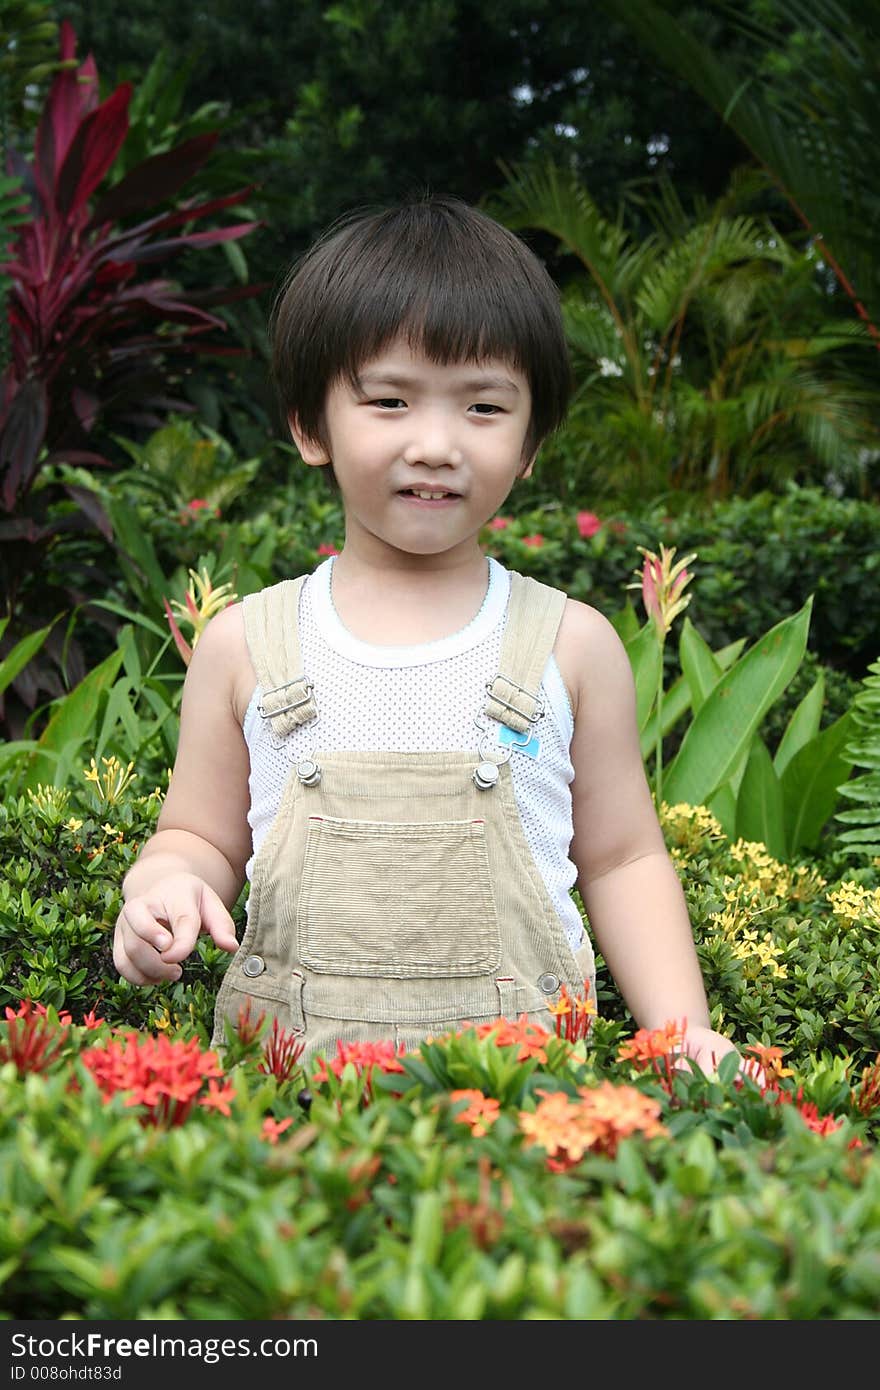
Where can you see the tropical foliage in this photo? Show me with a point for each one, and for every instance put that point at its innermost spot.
(93, 342)
(704, 355)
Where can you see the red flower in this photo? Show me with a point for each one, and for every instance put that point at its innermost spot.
(32, 1042)
(272, 1128)
(281, 1053)
(657, 1048)
(218, 1098)
(163, 1076)
(533, 542)
(91, 1021)
(819, 1124)
(588, 524)
(499, 523)
(326, 549)
(363, 1056)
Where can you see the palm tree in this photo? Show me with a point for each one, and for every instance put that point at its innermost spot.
(816, 130)
(704, 353)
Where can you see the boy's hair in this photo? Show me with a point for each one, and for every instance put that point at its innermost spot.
(452, 281)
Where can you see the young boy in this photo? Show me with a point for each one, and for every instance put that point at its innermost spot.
(413, 755)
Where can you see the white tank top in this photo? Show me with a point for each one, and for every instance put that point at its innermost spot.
(422, 698)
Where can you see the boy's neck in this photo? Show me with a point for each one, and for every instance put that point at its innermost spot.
(395, 604)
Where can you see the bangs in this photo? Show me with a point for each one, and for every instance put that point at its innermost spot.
(450, 281)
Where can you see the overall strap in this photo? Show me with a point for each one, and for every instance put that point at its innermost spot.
(271, 626)
(533, 616)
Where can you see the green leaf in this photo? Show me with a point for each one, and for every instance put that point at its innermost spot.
(810, 783)
(802, 726)
(722, 731)
(72, 723)
(701, 668)
(645, 658)
(760, 815)
(18, 657)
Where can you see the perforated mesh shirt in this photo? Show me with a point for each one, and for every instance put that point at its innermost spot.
(421, 698)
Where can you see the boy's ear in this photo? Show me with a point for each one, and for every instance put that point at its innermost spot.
(526, 470)
(312, 451)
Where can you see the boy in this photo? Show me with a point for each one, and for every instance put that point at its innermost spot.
(412, 754)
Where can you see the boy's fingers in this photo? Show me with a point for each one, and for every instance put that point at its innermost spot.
(217, 922)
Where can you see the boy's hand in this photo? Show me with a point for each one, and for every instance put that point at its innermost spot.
(706, 1048)
(157, 930)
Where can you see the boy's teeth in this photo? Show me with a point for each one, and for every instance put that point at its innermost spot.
(428, 496)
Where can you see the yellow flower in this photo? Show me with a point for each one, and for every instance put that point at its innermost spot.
(853, 902)
(112, 782)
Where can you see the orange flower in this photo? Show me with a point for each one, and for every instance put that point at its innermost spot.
(602, 1116)
(529, 1037)
(650, 1044)
(765, 1065)
(273, 1128)
(573, 1015)
(480, 1113)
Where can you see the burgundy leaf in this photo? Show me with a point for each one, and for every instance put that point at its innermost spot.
(92, 151)
(120, 245)
(86, 405)
(73, 94)
(161, 250)
(89, 504)
(155, 179)
(23, 431)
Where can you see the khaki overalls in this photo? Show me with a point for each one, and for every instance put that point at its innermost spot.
(395, 896)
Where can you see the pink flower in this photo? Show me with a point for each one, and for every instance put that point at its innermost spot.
(588, 524)
(326, 549)
(535, 542)
(499, 523)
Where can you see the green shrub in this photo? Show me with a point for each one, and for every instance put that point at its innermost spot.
(139, 1180)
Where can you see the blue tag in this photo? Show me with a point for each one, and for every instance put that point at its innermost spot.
(529, 744)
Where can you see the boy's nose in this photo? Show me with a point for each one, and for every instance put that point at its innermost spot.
(434, 444)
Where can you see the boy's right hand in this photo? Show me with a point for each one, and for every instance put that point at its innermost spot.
(158, 929)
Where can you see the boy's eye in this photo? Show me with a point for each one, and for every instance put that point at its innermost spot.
(389, 402)
(484, 408)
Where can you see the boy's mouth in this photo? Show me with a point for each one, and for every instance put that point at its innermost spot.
(427, 494)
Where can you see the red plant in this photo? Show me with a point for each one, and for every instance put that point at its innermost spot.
(166, 1076)
(33, 1042)
(363, 1056)
(91, 337)
(281, 1053)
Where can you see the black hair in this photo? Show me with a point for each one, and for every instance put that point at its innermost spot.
(453, 282)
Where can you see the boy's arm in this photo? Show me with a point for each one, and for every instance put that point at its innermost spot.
(190, 872)
(628, 883)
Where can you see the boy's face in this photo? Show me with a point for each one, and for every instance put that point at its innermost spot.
(424, 453)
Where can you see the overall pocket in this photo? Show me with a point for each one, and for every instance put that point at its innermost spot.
(401, 900)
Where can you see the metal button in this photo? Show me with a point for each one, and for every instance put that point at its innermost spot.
(308, 772)
(254, 965)
(549, 983)
(486, 775)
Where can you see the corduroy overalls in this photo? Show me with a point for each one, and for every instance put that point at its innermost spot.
(395, 896)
